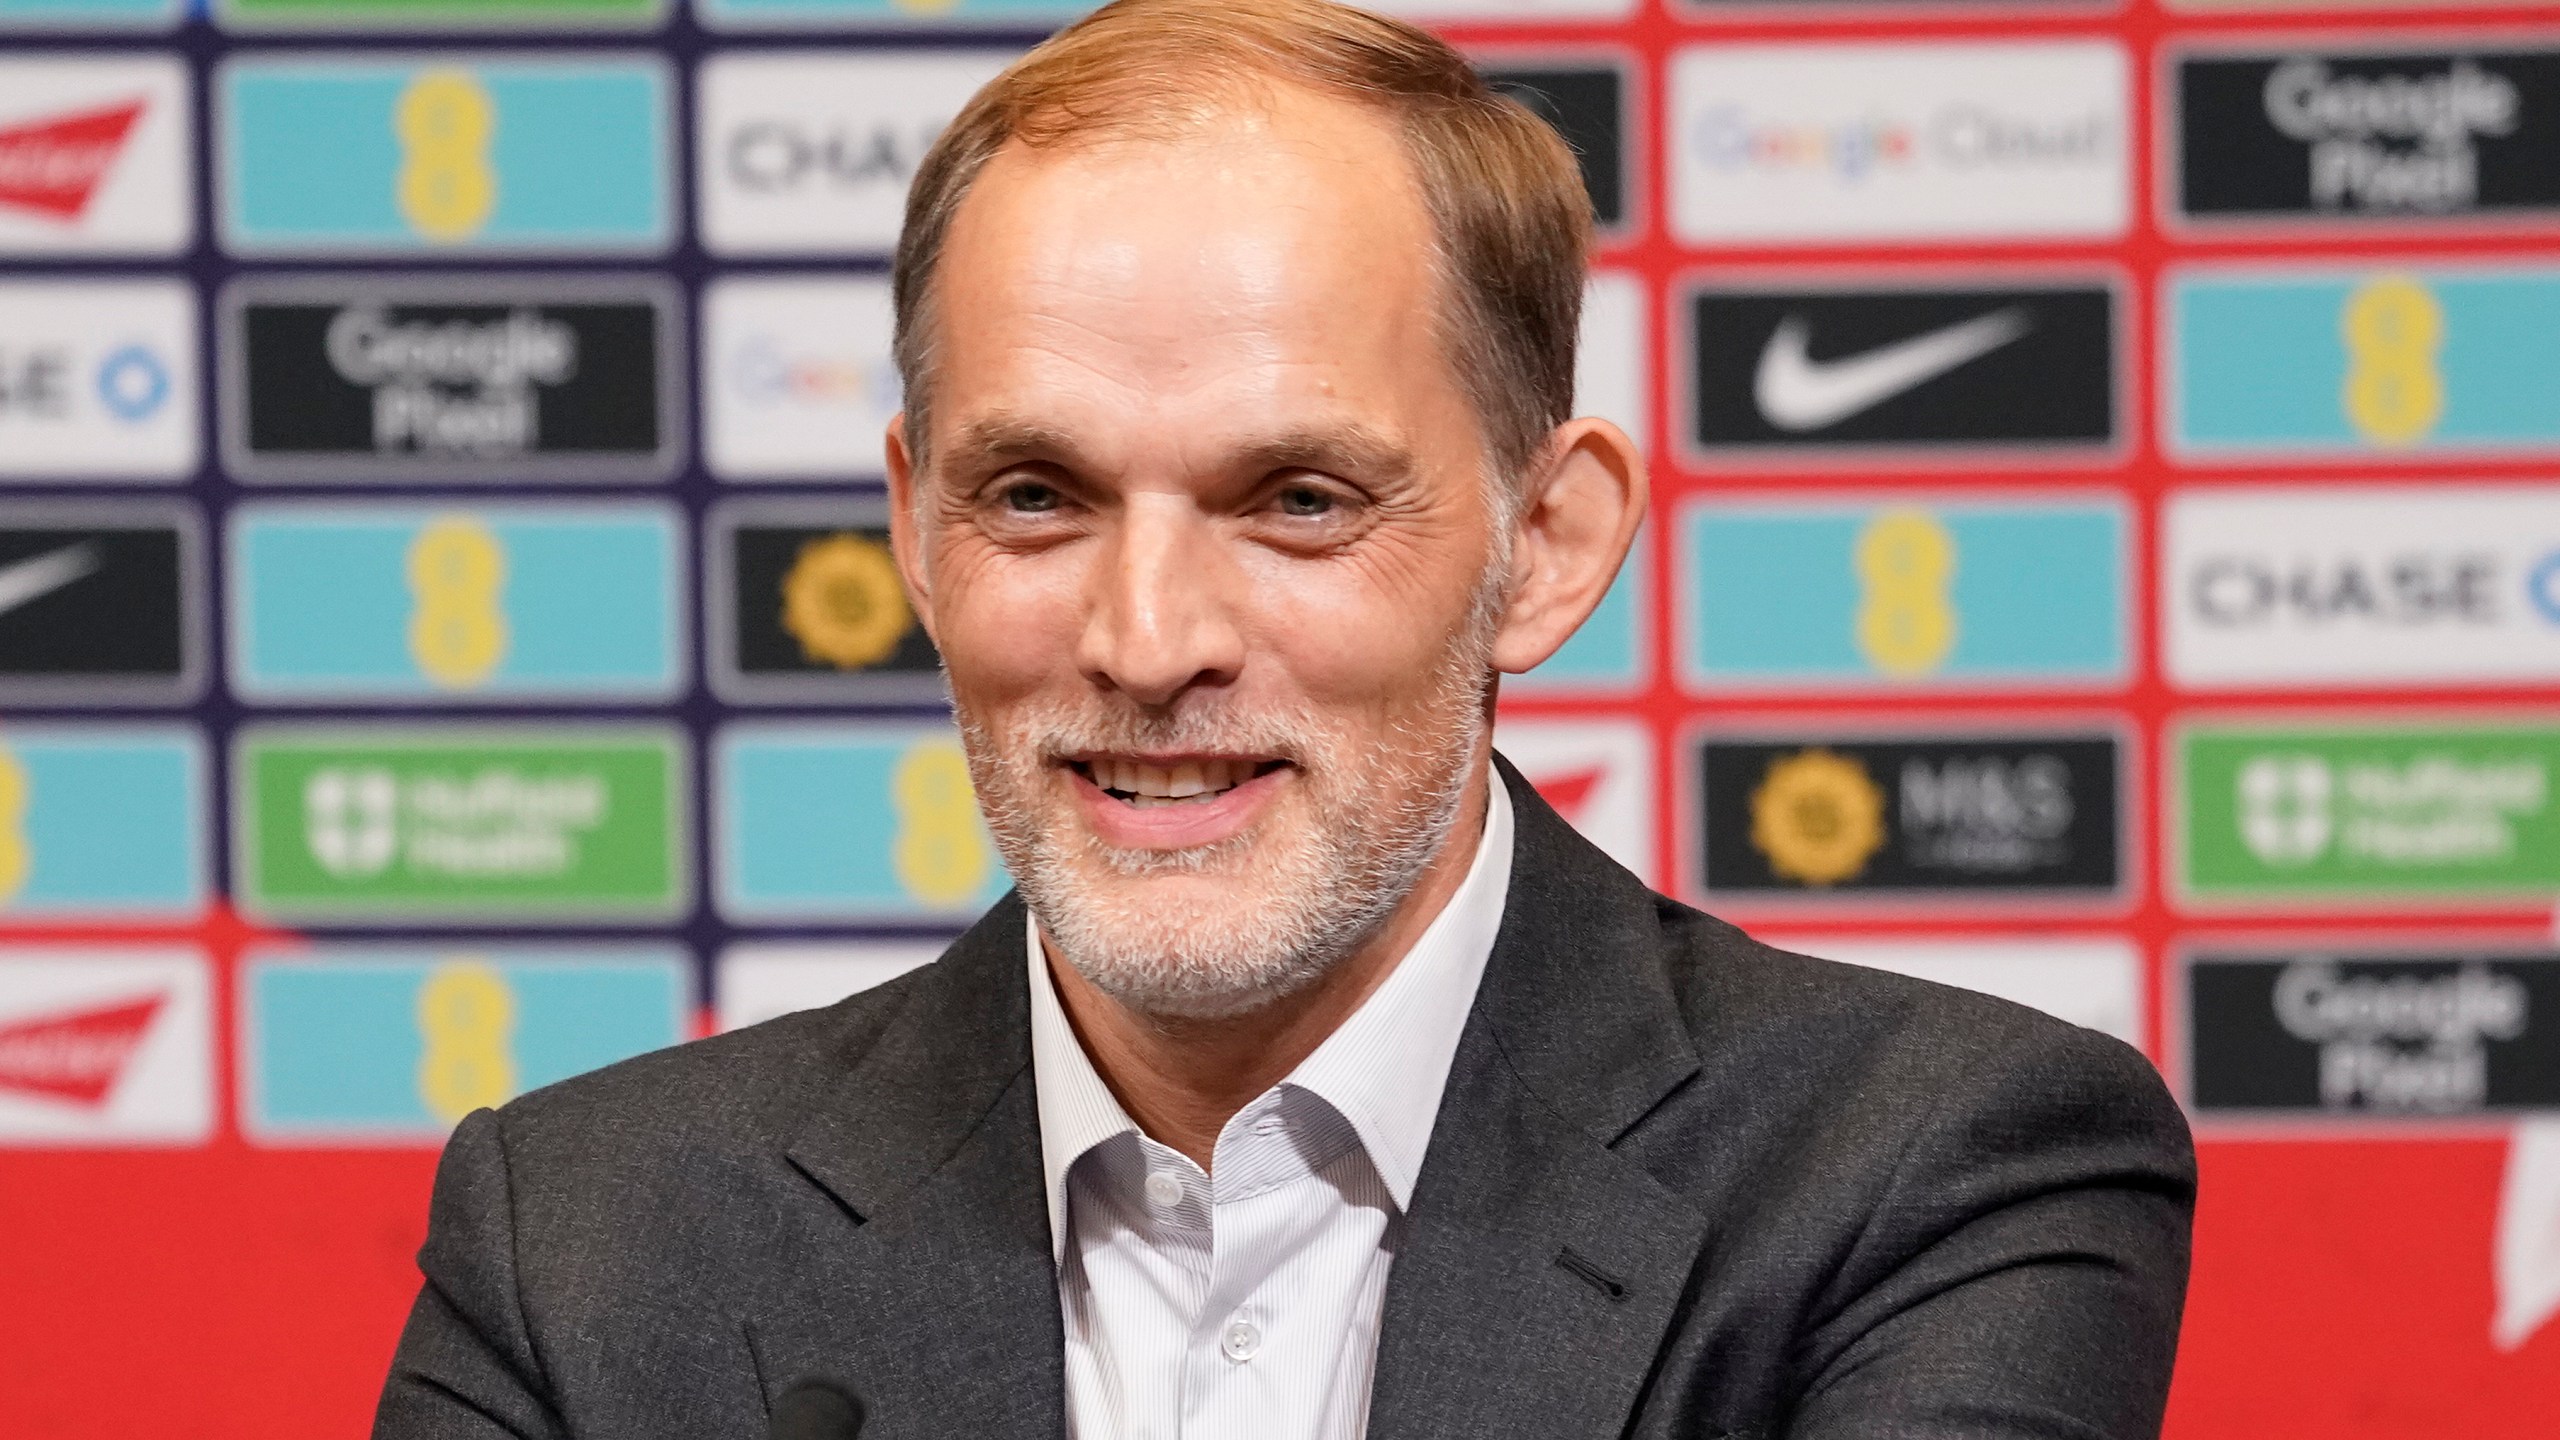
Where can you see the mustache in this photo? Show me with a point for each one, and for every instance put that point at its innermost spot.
(1273, 732)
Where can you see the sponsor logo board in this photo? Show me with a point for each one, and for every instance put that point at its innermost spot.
(365, 825)
(2269, 364)
(374, 602)
(797, 379)
(2362, 134)
(1795, 144)
(94, 155)
(1045, 14)
(805, 604)
(438, 14)
(1836, 596)
(356, 1044)
(2372, 812)
(491, 378)
(2425, 1033)
(24, 15)
(461, 153)
(760, 980)
(1598, 774)
(105, 1046)
(2094, 982)
(97, 379)
(101, 822)
(849, 822)
(2432, 584)
(100, 602)
(1838, 370)
(1589, 101)
(805, 152)
(1955, 816)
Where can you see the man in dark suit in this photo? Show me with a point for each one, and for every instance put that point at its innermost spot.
(1318, 1081)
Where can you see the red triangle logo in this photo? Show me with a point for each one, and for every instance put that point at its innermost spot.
(79, 1056)
(53, 167)
(1570, 790)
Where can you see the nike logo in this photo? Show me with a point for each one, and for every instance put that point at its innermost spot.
(40, 575)
(1797, 393)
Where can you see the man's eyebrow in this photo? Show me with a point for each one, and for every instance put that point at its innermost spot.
(1352, 450)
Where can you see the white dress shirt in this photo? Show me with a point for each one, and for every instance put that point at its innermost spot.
(1243, 1304)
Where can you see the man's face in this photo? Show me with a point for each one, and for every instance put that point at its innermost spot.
(1204, 536)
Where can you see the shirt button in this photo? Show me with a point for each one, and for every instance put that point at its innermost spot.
(1164, 1190)
(1240, 1342)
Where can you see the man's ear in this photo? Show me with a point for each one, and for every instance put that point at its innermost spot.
(1578, 516)
(904, 541)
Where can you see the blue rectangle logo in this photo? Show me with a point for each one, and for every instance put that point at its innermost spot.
(101, 822)
(1894, 595)
(360, 603)
(461, 153)
(2371, 363)
(398, 1044)
(849, 822)
(89, 14)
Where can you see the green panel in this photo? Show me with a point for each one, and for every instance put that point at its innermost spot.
(2370, 812)
(457, 822)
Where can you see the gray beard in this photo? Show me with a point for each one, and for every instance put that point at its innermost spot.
(1295, 909)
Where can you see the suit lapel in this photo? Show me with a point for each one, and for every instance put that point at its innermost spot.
(940, 1308)
(1540, 1268)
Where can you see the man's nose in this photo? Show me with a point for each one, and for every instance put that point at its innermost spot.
(1158, 618)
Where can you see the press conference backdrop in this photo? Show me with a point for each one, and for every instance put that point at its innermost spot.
(2107, 552)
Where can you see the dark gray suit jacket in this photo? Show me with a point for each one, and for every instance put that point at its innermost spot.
(1681, 1185)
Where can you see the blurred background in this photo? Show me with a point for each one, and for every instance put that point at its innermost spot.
(2106, 552)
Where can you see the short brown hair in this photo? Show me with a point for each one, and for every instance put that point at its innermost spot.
(1506, 199)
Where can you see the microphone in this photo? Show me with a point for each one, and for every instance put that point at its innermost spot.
(817, 1410)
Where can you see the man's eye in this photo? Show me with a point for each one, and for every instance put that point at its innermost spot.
(1030, 497)
(1304, 500)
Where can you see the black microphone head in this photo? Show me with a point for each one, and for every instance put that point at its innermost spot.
(817, 1410)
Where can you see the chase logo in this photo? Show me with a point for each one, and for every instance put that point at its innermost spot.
(810, 152)
(101, 822)
(849, 822)
(2276, 364)
(97, 379)
(398, 1045)
(365, 603)
(1837, 597)
(444, 154)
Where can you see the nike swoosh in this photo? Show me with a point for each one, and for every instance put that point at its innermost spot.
(40, 575)
(1797, 393)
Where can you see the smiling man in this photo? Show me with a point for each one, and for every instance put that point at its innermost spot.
(1318, 1081)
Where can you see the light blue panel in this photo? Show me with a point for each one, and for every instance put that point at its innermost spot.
(810, 824)
(1608, 652)
(335, 1041)
(89, 14)
(2261, 362)
(900, 14)
(576, 150)
(112, 822)
(323, 602)
(1771, 595)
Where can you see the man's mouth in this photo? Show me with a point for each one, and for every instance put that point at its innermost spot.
(1149, 783)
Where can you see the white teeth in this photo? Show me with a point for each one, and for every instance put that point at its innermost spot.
(1164, 784)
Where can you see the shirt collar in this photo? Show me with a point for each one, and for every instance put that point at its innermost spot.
(1383, 1068)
